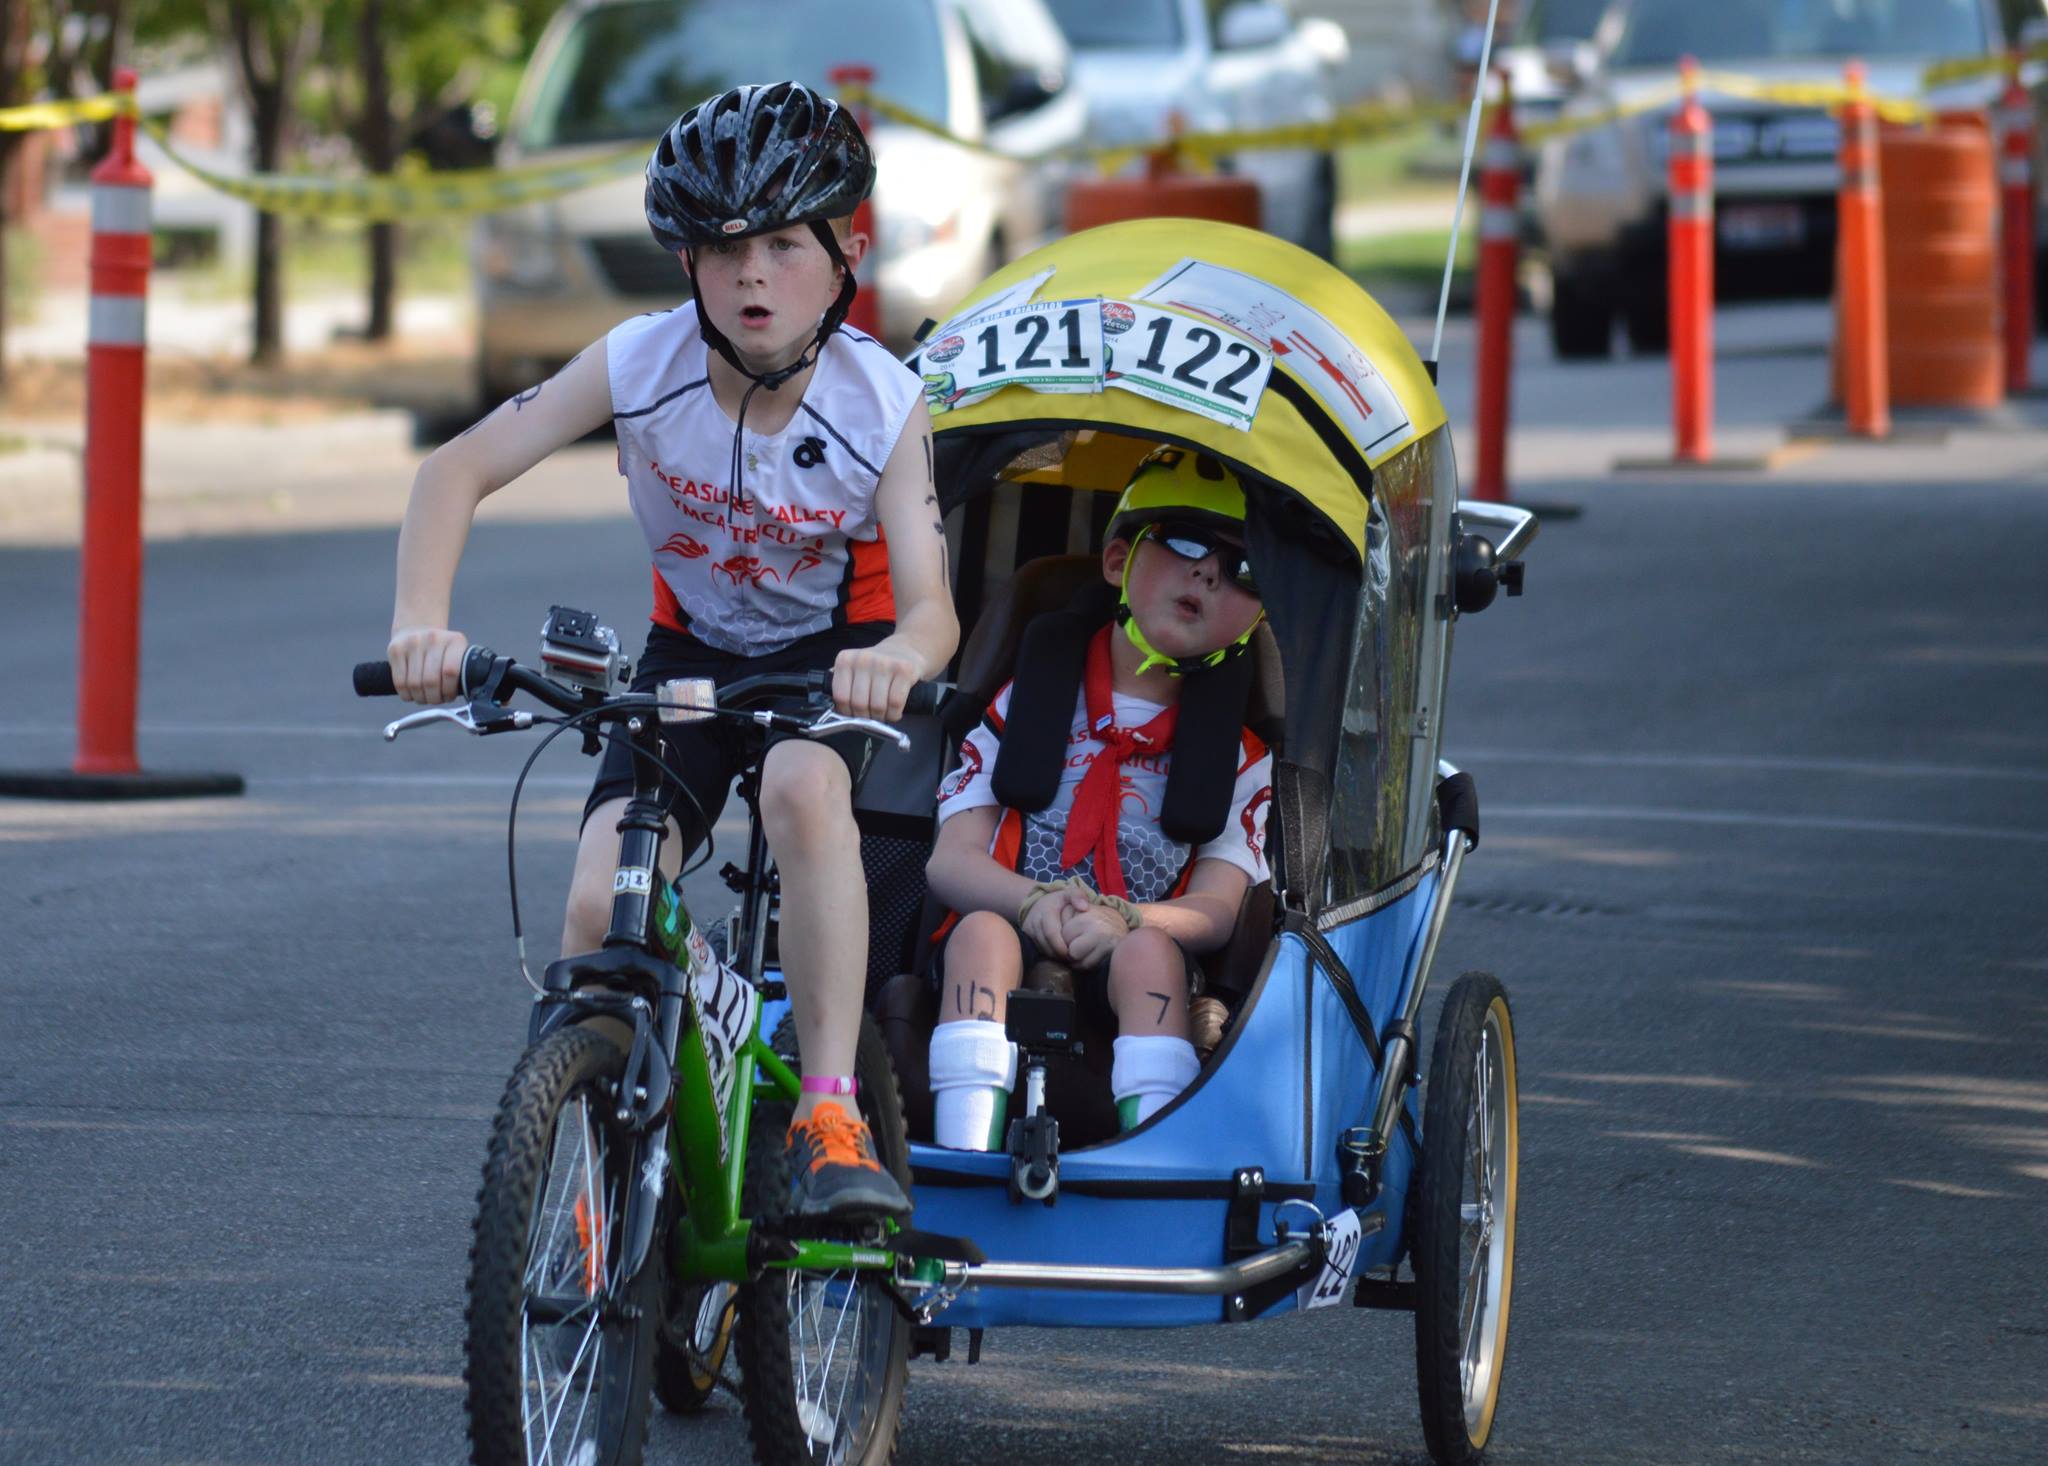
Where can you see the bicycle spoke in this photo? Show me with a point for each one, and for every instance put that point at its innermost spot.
(584, 1407)
(540, 1407)
(1485, 1115)
(853, 1368)
(568, 1382)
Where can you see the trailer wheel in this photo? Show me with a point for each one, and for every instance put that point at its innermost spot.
(1464, 1226)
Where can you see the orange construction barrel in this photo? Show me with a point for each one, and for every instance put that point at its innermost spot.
(1941, 265)
(1162, 193)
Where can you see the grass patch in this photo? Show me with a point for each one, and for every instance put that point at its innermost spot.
(324, 258)
(1385, 168)
(24, 283)
(1404, 263)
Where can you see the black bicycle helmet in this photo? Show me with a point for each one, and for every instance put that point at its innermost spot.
(753, 159)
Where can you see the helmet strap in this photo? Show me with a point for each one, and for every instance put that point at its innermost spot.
(834, 317)
(718, 342)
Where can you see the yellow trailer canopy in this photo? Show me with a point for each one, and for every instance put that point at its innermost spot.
(1183, 330)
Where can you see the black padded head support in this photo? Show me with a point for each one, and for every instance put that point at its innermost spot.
(1047, 682)
(1043, 688)
(1206, 739)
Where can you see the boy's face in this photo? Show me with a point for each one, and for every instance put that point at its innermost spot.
(766, 292)
(1186, 608)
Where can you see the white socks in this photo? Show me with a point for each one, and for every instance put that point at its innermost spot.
(973, 1066)
(1149, 1069)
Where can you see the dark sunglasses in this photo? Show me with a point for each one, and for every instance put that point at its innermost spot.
(1197, 542)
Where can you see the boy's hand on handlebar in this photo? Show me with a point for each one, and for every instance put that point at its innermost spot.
(426, 662)
(873, 682)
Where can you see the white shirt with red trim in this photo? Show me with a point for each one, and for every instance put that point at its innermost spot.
(1152, 863)
(801, 549)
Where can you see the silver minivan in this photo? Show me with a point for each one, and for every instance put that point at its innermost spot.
(553, 277)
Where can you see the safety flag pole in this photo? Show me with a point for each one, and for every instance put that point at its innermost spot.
(1443, 298)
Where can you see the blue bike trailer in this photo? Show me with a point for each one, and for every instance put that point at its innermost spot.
(1285, 1170)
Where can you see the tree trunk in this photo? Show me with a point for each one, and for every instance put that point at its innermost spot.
(379, 142)
(13, 56)
(272, 42)
(268, 332)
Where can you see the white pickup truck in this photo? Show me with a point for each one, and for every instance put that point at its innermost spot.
(1216, 65)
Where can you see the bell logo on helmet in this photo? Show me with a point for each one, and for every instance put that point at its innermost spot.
(732, 226)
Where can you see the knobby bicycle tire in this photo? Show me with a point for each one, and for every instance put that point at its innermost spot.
(775, 1415)
(526, 1141)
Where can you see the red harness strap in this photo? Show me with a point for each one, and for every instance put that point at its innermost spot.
(1098, 802)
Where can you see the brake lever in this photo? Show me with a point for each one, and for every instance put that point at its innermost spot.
(829, 721)
(462, 715)
(836, 722)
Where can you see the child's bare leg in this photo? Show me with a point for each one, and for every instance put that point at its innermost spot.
(984, 965)
(973, 1063)
(1154, 1061)
(589, 914)
(807, 814)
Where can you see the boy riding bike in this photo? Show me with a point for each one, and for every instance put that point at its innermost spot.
(779, 463)
(1092, 880)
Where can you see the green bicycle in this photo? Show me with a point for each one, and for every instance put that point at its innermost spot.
(629, 1235)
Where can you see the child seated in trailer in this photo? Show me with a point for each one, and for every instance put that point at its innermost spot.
(1109, 812)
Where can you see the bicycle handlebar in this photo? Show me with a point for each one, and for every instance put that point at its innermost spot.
(373, 679)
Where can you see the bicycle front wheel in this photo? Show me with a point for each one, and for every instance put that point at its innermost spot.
(560, 1346)
(825, 1354)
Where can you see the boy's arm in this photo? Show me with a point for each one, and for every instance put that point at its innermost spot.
(966, 877)
(1202, 918)
(872, 682)
(426, 657)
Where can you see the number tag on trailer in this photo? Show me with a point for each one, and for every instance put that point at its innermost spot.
(1049, 346)
(1345, 1236)
(1198, 366)
(725, 1004)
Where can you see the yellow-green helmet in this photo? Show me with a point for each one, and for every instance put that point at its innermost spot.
(1178, 483)
(1186, 487)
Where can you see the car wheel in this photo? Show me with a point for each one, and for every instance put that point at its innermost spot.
(1647, 317)
(1320, 238)
(1581, 320)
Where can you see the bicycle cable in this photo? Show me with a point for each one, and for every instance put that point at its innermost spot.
(563, 725)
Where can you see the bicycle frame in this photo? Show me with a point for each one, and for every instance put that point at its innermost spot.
(667, 1098)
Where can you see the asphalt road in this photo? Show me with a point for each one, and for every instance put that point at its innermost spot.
(1765, 774)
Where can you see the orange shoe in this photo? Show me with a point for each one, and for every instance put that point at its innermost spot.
(833, 1171)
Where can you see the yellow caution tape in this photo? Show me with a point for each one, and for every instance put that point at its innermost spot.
(43, 116)
(1965, 68)
(1354, 124)
(483, 190)
(415, 196)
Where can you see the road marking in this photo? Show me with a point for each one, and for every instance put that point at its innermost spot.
(1872, 768)
(1836, 823)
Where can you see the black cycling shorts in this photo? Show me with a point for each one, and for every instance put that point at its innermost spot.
(711, 754)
